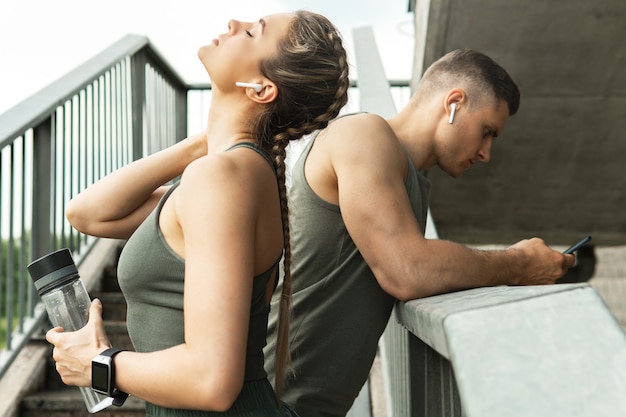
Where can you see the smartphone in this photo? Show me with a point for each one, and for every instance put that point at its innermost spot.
(576, 246)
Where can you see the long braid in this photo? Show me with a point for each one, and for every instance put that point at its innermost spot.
(279, 152)
(312, 74)
(284, 308)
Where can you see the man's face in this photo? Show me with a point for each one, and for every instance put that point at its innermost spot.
(470, 137)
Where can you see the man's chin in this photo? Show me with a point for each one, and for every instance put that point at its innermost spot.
(454, 173)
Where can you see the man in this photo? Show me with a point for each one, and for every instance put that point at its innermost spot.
(358, 206)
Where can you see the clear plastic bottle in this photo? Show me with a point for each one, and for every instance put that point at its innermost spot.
(67, 303)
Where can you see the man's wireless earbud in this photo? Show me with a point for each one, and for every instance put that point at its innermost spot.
(452, 111)
(257, 87)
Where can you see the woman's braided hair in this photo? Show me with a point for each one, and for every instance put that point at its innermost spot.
(310, 70)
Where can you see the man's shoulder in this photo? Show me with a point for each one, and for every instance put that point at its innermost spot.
(359, 129)
(360, 121)
(355, 142)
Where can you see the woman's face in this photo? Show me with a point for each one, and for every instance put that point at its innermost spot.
(237, 54)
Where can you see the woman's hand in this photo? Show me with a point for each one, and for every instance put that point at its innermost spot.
(200, 144)
(73, 351)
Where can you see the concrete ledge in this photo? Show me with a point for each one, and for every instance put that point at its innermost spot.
(522, 351)
(425, 317)
(25, 375)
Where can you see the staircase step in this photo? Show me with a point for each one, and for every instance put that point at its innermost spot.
(68, 402)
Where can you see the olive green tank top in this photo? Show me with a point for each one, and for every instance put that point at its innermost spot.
(152, 278)
(339, 310)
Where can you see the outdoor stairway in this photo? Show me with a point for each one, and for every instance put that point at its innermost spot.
(56, 399)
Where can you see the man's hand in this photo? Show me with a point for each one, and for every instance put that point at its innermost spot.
(545, 265)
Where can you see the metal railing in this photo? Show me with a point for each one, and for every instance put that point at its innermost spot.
(124, 103)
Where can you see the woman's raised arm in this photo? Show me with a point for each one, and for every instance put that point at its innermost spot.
(116, 205)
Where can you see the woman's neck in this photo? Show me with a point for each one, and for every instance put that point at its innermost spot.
(228, 123)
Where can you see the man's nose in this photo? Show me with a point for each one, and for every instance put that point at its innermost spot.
(484, 154)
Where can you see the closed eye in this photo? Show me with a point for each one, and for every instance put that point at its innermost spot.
(490, 133)
(249, 33)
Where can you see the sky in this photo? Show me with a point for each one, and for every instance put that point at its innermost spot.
(42, 40)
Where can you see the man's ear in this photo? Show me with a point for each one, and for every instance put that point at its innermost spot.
(268, 93)
(456, 95)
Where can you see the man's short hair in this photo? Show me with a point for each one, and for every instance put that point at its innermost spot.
(477, 72)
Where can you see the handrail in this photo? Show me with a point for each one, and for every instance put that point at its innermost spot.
(120, 105)
(34, 109)
(515, 351)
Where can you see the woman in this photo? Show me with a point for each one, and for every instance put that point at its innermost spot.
(202, 257)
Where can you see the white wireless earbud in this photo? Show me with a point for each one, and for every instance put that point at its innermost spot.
(257, 87)
(452, 111)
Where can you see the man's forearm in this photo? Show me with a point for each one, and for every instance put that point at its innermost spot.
(441, 266)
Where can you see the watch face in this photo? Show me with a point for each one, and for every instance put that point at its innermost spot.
(100, 377)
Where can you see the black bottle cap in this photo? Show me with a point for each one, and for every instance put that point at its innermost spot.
(52, 269)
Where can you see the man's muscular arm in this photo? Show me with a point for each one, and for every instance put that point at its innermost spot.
(370, 176)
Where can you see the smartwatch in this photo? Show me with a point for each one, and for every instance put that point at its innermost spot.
(103, 376)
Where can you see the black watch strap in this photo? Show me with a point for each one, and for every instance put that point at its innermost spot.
(110, 352)
(118, 396)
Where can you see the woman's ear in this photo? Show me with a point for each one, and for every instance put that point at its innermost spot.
(268, 93)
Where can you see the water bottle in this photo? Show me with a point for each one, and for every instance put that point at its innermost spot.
(67, 303)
